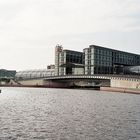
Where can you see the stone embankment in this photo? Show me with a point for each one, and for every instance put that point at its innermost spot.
(121, 90)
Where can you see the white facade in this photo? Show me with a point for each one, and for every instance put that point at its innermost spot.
(78, 71)
(58, 50)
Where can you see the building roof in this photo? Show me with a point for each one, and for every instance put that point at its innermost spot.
(112, 49)
(72, 51)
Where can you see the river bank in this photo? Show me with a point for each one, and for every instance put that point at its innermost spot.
(121, 90)
(109, 89)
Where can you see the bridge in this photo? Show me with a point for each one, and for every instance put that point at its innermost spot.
(125, 81)
(95, 76)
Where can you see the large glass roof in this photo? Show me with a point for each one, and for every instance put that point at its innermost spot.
(35, 73)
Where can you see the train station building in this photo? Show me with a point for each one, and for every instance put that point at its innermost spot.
(95, 60)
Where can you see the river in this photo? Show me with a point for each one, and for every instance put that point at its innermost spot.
(68, 114)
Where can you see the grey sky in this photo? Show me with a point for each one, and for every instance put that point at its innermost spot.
(30, 29)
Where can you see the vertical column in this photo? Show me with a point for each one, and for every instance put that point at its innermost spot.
(58, 49)
(64, 59)
(86, 54)
(92, 60)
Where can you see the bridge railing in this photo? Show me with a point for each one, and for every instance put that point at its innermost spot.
(95, 75)
(84, 76)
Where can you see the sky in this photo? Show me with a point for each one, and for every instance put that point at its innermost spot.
(30, 29)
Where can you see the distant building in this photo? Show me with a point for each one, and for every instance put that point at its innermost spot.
(51, 67)
(94, 60)
(68, 62)
(7, 73)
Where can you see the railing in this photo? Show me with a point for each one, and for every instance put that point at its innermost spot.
(99, 76)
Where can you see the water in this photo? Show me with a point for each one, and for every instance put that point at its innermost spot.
(66, 114)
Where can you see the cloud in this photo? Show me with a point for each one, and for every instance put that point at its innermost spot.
(75, 16)
(44, 23)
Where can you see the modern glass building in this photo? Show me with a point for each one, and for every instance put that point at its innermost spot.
(101, 60)
(94, 60)
(68, 62)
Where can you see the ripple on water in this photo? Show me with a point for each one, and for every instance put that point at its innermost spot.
(66, 114)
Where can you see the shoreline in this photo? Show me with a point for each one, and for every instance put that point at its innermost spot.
(120, 90)
(109, 89)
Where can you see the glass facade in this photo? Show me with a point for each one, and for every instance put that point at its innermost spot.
(67, 61)
(100, 60)
(7, 73)
(95, 60)
(133, 70)
(29, 74)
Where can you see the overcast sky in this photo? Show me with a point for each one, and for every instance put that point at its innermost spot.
(30, 29)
